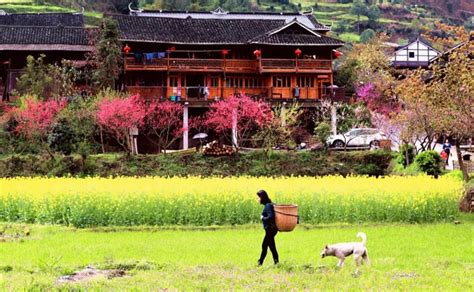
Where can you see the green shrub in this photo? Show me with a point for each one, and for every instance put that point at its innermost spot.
(61, 138)
(302, 163)
(430, 162)
(322, 132)
(406, 152)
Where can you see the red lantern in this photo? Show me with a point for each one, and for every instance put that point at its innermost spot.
(257, 53)
(298, 52)
(337, 53)
(225, 52)
(126, 49)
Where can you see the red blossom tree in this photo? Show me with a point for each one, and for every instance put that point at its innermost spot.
(36, 118)
(248, 114)
(164, 122)
(118, 115)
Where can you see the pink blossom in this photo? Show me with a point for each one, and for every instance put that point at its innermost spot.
(37, 117)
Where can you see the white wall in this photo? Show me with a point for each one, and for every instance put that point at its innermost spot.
(421, 53)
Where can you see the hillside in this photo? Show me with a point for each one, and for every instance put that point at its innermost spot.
(92, 17)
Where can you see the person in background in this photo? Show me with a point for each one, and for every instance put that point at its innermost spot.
(268, 220)
(447, 150)
(296, 92)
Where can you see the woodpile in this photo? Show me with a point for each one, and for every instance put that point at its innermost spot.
(216, 149)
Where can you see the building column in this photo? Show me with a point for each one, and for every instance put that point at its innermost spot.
(234, 129)
(333, 119)
(185, 126)
(283, 114)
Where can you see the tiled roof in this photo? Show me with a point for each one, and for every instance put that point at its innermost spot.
(43, 19)
(296, 39)
(43, 31)
(28, 35)
(210, 31)
(306, 19)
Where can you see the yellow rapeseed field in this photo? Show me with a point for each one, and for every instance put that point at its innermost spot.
(231, 200)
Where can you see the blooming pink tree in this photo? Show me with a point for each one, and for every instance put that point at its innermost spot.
(164, 123)
(36, 118)
(118, 116)
(376, 100)
(243, 113)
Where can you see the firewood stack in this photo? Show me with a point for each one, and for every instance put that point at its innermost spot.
(216, 149)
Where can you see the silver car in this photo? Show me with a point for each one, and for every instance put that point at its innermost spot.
(357, 137)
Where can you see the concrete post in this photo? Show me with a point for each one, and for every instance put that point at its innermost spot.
(283, 114)
(333, 119)
(185, 126)
(234, 129)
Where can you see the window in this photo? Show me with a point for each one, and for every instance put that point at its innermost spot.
(173, 81)
(305, 81)
(281, 81)
(411, 54)
(214, 81)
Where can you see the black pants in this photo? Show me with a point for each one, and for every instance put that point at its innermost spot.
(269, 242)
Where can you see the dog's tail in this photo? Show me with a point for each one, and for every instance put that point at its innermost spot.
(363, 237)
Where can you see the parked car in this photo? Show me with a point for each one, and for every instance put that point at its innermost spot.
(359, 137)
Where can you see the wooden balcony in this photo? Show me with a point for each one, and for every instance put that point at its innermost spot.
(229, 65)
(216, 93)
(296, 65)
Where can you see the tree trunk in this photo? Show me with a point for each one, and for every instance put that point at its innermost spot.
(358, 24)
(462, 166)
(102, 140)
(407, 160)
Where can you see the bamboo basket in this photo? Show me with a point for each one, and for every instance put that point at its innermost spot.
(286, 217)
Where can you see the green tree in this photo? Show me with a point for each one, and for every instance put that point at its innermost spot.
(45, 81)
(322, 132)
(373, 13)
(107, 56)
(35, 79)
(358, 8)
(367, 35)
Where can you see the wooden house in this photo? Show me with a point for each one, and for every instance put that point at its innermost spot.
(417, 54)
(199, 57)
(57, 35)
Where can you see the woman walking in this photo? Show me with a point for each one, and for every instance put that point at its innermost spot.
(268, 220)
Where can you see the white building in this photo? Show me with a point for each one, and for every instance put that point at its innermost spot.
(413, 55)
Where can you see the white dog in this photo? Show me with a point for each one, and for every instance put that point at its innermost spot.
(345, 249)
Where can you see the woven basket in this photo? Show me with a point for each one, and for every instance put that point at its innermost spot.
(286, 217)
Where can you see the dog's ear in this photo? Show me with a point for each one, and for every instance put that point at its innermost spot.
(326, 247)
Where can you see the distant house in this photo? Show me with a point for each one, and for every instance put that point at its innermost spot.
(414, 55)
(57, 35)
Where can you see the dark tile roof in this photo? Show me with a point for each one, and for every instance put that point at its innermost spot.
(296, 39)
(207, 31)
(307, 19)
(27, 35)
(43, 19)
(190, 30)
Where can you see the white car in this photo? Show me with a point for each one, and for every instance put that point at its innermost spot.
(357, 137)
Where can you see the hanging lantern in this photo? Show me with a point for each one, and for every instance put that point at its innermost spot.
(173, 48)
(225, 52)
(298, 53)
(126, 49)
(257, 53)
(337, 53)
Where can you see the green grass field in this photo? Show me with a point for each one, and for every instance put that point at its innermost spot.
(403, 257)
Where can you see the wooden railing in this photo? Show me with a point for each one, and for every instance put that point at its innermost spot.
(216, 93)
(229, 65)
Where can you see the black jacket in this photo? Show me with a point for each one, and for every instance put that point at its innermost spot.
(268, 214)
